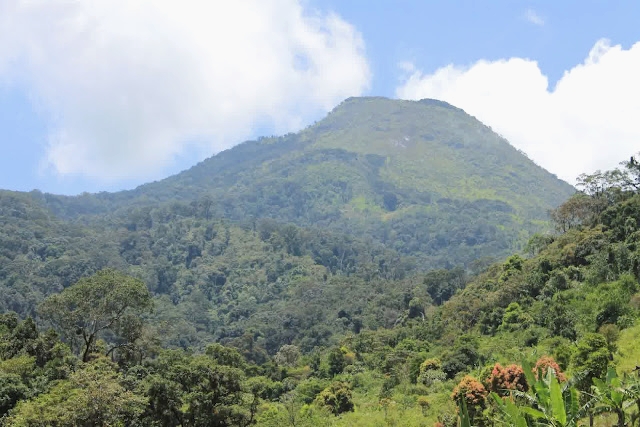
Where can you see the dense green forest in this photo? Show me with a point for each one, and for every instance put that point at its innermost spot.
(212, 281)
(424, 178)
(358, 273)
(296, 239)
(547, 337)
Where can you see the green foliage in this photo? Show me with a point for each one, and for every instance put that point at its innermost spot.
(225, 356)
(462, 357)
(288, 355)
(308, 389)
(537, 243)
(612, 397)
(12, 389)
(442, 284)
(515, 318)
(592, 358)
(269, 311)
(92, 395)
(337, 397)
(105, 305)
(336, 361)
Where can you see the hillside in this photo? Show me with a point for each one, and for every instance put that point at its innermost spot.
(424, 178)
(212, 280)
(293, 239)
(546, 339)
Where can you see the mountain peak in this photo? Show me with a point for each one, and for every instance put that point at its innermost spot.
(380, 101)
(422, 176)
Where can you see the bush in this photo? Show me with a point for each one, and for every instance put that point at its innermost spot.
(544, 363)
(502, 380)
(462, 357)
(337, 398)
(473, 393)
(423, 402)
(307, 390)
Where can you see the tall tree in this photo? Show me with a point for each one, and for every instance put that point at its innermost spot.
(106, 305)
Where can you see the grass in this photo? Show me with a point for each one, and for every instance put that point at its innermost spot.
(628, 355)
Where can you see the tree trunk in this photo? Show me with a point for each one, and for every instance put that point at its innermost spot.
(87, 349)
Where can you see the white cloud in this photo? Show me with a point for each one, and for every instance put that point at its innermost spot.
(533, 17)
(128, 85)
(588, 121)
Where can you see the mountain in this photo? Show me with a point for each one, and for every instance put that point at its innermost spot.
(344, 263)
(295, 239)
(424, 178)
(317, 328)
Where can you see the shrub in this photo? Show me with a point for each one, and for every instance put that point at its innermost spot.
(337, 398)
(424, 404)
(430, 365)
(474, 395)
(431, 372)
(544, 363)
(502, 380)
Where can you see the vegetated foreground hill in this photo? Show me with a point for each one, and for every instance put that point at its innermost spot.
(547, 340)
(424, 178)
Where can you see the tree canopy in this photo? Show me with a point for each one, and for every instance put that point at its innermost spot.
(106, 305)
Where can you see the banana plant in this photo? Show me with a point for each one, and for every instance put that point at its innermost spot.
(616, 395)
(547, 403)
(465, 420)
(633, 388)
(611, 396)
(512, 415)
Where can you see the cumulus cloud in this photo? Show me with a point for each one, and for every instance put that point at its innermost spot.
(588, 121)
(127, 86)
(533, 17)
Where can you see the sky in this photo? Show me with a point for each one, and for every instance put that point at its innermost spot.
(103, 95)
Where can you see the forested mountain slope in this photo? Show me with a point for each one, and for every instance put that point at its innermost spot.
(546, 338)
(424, 178)
(293, 239)
(213, 280)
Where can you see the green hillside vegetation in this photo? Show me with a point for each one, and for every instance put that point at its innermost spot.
(212, 281)
(424, 178)
(293, 240)
(541, 338)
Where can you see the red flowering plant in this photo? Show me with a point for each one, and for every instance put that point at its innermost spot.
(544, 364)
(503, 380)
(474, 395)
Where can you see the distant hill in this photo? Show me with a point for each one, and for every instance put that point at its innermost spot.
(424, 178)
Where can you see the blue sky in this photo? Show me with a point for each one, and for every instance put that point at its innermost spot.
(437, 33)
(102, 96)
